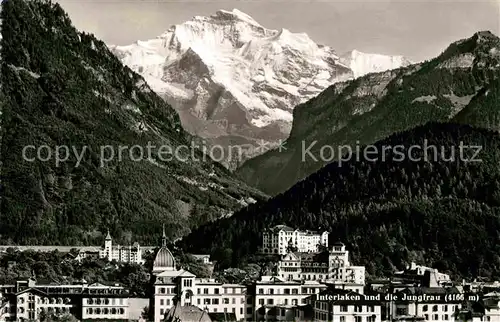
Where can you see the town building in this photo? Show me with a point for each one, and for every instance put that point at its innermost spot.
(123, 254)
(337, 305)
(426, 303)
(418, 272)
(175, 287)
(329, 266)
(30, 301)
(280, 239)
(273, 298)
(205, 259)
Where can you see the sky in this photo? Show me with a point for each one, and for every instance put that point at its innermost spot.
(417, 29)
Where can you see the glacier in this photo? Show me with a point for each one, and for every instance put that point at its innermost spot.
(234, 81)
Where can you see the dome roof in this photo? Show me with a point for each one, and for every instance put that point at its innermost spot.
(164, 259)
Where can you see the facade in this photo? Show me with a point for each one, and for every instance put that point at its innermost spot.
(124, 254)
(350, 307)
(433, 308)
(330, 266)
(205, 259)
(29, 301)
(439, 278)
(279, 239)
(174, 288)
(491, 302)
(273, 298)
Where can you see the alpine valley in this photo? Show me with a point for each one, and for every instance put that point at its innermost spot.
(61, 87)
(372, 107)
(235, 82)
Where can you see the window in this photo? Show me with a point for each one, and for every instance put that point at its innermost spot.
(445, 308)
(402, 311)
(261, 302)
(435, 317)
(358, 308)
(271, 291)
(343, 308)
(215, 301)
(342, 319)
(357, 319)
(445, 317)
(205, 291)
(162, 302)
(216, 291)
(434, 308)
(261, 291)
(234, 300)
(249, 310)
(425, 308)
(270, 301)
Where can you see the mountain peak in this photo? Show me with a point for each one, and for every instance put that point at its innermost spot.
(236, 14)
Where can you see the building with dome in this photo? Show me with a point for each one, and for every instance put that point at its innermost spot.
(174, 287)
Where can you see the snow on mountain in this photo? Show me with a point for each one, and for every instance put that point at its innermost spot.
(234, 81)
(362, 63)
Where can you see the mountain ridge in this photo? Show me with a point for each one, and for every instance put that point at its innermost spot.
(247, 79)
(374, 106)
(61, 87)
(387, 210)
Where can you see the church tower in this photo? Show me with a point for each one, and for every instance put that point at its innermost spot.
(108, 246)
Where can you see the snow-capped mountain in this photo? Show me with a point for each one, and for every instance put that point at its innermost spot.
(235, 82)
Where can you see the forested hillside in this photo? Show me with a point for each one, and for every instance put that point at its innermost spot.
(443, 210)
(60, 87)
(373, 107)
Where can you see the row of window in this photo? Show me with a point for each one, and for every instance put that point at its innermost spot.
(287, 291)
(285, 302)
(345, 308)
(225, 290)
(214, 310)
(435, 308)
(105, 311)
(105, 301)
(324, 317)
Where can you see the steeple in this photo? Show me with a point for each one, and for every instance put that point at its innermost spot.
(164, 238)
(108, 236)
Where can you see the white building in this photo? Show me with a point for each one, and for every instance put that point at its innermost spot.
(426, 303)
(273, 298)
(279, 239)
(354, 308)
(172, 285)
(29, 301)
(491, 307)
(439, 279)
(124, 254)
(331, 266)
